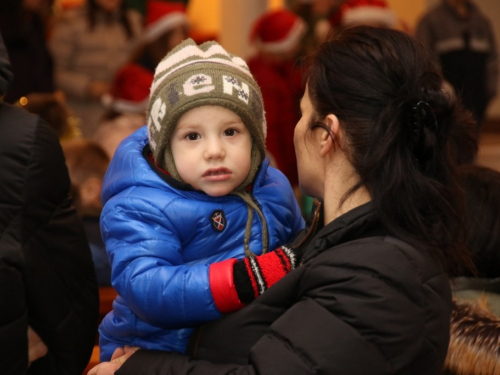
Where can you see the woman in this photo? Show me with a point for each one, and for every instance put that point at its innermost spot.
(89, 44)
(376, 142)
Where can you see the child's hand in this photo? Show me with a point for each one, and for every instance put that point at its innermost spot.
(254, 275)
(236, 283)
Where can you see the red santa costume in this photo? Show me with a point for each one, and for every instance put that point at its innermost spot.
(277, 36)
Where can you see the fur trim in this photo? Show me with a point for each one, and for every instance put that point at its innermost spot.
(475, 340)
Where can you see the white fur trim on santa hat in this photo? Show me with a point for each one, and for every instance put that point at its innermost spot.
(369, 14)
(166, 23)
(298, 29)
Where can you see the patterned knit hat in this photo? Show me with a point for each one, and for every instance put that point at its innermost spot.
(191, 76)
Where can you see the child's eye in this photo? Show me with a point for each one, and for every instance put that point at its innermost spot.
(192, 136)
(230, 132)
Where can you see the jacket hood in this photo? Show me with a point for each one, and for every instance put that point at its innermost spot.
(6, 75)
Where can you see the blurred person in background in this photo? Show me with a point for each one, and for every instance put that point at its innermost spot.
(48, 290)
(166, 26)
(277, 37)
(317, 15)
(87, 163)
(89, 44)
(23, 24)
(126, 105)
(462, 41)
(374, 13)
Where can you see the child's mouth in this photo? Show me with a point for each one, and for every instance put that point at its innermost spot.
(217, 174)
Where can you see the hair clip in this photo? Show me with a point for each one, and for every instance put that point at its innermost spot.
(425, 116)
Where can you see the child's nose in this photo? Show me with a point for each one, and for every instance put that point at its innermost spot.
(215, 149)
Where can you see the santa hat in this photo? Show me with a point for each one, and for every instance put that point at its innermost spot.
(277, 31)
(359, 12)
(162, 16)
(130, 90)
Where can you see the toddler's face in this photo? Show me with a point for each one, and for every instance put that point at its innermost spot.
(212, 148)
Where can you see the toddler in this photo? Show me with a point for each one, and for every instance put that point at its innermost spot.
(179, 201)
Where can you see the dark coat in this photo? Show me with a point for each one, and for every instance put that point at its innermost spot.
(47, 277)
(363, 302)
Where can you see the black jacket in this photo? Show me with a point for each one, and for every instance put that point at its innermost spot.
(363, 302)
(47, 277)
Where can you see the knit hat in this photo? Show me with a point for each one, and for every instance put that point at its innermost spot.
(191, 76)
(162, 16)
(359, 12)
(129, 90)
(278, 31)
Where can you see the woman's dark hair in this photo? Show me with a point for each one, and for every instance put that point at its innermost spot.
(482, 217)
(402, 134)
(94, 9)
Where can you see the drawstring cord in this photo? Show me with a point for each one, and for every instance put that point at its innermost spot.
(251, 206)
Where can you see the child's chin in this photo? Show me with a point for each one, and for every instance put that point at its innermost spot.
(217, 192)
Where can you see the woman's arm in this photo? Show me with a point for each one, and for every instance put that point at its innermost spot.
(309, 346)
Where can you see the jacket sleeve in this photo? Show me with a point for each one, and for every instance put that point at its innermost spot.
(147, 266)
(13, 317)
(298, 343)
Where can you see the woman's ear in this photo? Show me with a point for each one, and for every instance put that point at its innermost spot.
(331, 137)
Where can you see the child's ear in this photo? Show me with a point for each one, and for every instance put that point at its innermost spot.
(330, 138)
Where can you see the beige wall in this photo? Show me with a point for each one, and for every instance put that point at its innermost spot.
(230, 19)
(408, 11)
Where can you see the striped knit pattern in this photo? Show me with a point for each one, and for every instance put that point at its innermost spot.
(254, 274)
(191, 76)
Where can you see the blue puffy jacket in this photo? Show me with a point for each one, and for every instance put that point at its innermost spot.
(161, 240)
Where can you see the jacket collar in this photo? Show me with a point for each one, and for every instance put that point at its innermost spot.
(360, 222)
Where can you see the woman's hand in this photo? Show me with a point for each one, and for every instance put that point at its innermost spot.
(36, 347)
(118, 358)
